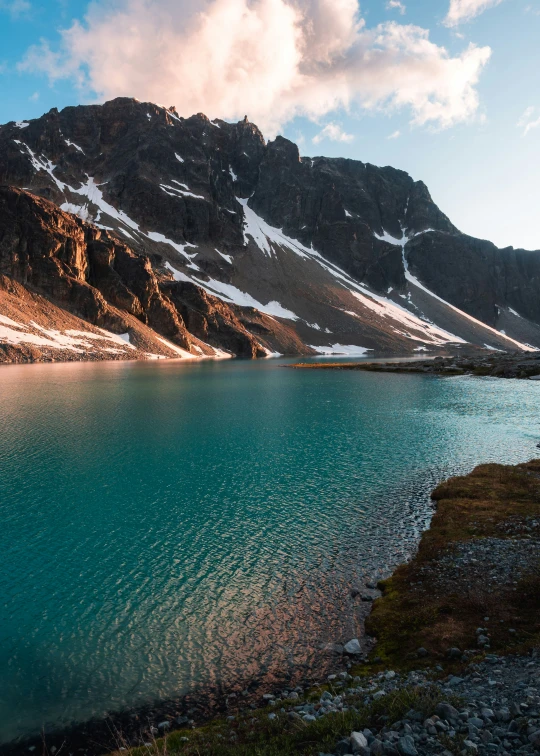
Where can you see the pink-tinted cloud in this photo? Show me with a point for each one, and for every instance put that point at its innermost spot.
(271, 59)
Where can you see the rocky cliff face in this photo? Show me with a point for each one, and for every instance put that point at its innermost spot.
(201, 230)
(88, 272)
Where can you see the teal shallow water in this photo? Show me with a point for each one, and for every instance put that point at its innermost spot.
(165, 526)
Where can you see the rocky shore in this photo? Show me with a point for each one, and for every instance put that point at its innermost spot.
(455, 669)
(522, 365)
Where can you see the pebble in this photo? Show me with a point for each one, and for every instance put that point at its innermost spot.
(353, 647)
(490, 721)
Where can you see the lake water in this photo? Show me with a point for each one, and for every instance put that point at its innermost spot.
(168, 526)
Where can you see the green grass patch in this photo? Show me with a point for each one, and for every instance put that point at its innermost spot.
(254, 734)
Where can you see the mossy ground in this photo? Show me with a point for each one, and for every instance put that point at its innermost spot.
(414, 613)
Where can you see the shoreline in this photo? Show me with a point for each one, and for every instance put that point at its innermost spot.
(516, 365)
(471, 593)
(101, 735)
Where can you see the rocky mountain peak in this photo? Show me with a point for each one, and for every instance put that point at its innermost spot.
(343, 251)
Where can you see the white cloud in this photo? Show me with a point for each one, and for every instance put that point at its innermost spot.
(271, 59)
(15, 8)
(394, 135)
(334, 132)
(465, 10)
(529, 120)
(34, 97)
(397, 4)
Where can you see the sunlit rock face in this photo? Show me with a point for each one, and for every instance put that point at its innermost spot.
(203, 231)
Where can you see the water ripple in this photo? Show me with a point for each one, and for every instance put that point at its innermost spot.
(168, 526)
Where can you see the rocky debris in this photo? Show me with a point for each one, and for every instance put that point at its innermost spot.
(497, 712)
(524, 365)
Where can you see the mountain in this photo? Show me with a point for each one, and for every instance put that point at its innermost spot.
(191, 237)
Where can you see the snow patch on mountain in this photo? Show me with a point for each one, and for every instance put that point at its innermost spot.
(173, 191)
(233, 295)
(263, 234)
(72, 340)
(348, 350)
(180, 248)
(72, 144)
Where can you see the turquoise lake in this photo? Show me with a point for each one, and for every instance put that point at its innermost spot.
(168, 526)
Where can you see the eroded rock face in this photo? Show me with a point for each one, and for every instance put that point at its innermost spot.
(93, 275)
(211, 320)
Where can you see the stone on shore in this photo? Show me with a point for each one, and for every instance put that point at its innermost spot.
(353, 647)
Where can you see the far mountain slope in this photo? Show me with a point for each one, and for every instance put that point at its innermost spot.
(336, 254)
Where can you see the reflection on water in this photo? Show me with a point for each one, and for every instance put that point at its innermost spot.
(169, 525)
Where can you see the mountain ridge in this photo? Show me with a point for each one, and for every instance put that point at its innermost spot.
(336, 254)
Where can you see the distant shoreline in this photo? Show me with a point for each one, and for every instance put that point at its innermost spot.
(518, 365)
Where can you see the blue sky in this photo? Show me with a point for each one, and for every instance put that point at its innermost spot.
(305, 69)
